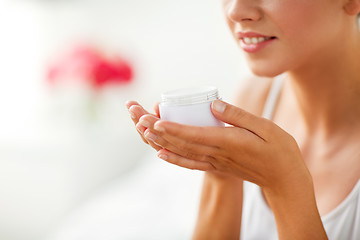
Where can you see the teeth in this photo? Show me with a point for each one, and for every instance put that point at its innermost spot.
(247, 40)
(255, 40)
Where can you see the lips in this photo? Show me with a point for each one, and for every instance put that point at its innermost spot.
(252, 42)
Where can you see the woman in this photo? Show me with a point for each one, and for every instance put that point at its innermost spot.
(304, 160)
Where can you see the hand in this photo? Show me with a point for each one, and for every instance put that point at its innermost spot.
(252, 148)
(137, 114)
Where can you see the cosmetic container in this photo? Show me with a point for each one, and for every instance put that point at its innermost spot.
(190, 106)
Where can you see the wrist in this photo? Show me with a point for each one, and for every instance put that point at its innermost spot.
(294, 206)
(220, 207)
(219, 178)
(291, 186)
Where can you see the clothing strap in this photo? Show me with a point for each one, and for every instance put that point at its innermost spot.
(273, 96)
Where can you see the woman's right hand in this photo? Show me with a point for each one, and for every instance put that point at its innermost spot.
(137, 112)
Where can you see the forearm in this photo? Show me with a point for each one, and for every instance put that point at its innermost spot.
(220, 208)
(296, 212)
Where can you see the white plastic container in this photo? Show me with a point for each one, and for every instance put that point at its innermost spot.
(190, 106)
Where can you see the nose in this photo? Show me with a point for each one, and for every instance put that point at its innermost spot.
(243, 10)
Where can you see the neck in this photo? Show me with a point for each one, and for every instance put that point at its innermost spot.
(327, 89)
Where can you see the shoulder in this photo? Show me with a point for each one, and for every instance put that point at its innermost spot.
(252, 93)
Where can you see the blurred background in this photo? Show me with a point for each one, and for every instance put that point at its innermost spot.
(71, 163)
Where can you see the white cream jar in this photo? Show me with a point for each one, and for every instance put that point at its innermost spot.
(190, 106)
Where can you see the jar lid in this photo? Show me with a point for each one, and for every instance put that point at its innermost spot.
(190, 96)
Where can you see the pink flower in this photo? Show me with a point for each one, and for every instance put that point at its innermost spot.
(116, 72)
(88, 64)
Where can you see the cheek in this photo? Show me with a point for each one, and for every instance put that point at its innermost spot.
(302, 31)
(303, 23)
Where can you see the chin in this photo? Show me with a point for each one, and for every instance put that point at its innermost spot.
(266, 72)
(265, 69)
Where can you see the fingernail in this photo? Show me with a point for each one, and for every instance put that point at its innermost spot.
(145, 123)
(151, 136)
(159, 128)
(218, 106)
(127, 103)
(163, 156)
(132, 115)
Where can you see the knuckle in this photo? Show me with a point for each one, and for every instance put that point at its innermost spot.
(236, 137)
(154, 146)
(201, 136)
(269, 130)
(213, 152)
(162, 143)
(189, 155)
(236, 113)
(290, 139)
(207, 158)
(182, 146)
(268, 126)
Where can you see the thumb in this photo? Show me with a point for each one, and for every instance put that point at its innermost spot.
(237, 117)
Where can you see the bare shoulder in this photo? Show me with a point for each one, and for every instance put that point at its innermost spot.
(251, 94)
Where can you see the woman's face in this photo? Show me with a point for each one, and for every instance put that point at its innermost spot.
(283, 35)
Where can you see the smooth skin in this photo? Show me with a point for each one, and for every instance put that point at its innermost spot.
(306, 160)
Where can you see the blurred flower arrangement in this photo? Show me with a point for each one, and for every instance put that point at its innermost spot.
(88, 64)
(82, 74)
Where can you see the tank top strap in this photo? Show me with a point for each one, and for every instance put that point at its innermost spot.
(273, 96)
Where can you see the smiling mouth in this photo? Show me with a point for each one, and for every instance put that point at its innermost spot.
(255, 40)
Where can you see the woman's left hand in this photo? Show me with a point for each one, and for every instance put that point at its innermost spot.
(252, 148)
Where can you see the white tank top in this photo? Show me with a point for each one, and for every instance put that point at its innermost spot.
(258, 222)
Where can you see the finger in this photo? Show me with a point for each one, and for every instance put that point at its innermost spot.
(131, 103)
(154, 145)
(174, 144)
(140, 129)
(136, 112)
(156, 109)
(184, 162)
(213, 142)
(159, 142)
(240, 118)
(183, 148)
(187, 148)
(145, 122)
(194, 134)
